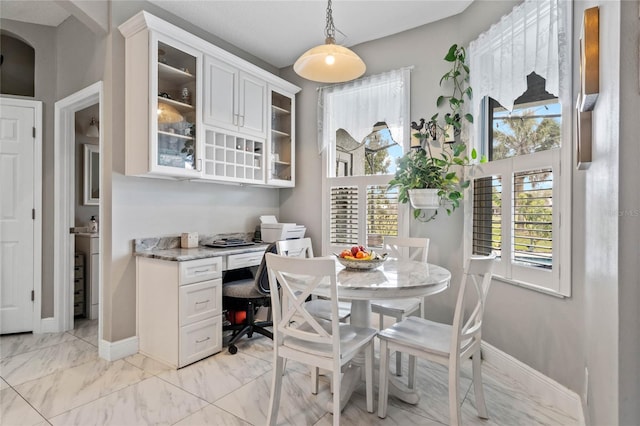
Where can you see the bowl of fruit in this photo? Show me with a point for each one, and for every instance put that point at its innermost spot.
(359, 258)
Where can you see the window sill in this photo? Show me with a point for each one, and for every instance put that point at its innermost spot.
(530, 286)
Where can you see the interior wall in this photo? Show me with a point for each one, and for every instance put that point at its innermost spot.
(542, 331)
(18, 64)
(145, 207)
(80, 59)
(83, 212)
(629, 218)
(43, 40)
(600, 222)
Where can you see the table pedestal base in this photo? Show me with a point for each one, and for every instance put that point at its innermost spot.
(353, 375)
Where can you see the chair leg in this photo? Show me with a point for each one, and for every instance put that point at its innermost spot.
(380, 321)
(412, 372)
(276, 390)
(477, 385)
(368, 368)
(336, 396)
(383, 383)
(454, 384)
(314, 380)
(399, 355)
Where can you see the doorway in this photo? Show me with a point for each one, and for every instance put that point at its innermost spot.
(72, 212)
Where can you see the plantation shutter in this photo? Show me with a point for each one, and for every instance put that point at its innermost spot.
(344, 215)
(382, 214)
(487, 215)
(532, 218)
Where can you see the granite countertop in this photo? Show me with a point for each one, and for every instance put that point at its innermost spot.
(168, 248)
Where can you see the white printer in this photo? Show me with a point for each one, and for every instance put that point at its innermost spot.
(271, 230)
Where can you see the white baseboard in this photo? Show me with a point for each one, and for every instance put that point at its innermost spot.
(112, 351)
(544, 389)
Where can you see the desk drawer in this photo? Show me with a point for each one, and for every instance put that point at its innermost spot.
(243, 260)
(200, 301)
(194, 271)
(200, 340)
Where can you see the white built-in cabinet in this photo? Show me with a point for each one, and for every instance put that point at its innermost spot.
(195, 111)
(281, 167)
(179, 309)
(236, 100)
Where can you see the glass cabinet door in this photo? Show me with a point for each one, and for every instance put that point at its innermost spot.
(282, 150)
(176, 110)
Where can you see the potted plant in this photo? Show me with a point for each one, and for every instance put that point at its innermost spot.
(423, 169)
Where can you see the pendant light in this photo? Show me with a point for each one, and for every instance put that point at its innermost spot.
(329, 62)
(93, 131)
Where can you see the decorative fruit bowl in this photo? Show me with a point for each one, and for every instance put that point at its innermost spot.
(359, 258)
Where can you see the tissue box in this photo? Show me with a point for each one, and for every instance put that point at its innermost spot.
(189, 240)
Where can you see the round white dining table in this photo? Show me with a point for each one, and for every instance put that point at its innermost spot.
(394, 279)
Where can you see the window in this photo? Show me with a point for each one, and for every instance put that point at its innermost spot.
(520, 199)
(363, 132)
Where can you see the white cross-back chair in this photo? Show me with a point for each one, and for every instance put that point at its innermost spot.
(402, 248)
(300, 336)
(445, 344)
(301, 247)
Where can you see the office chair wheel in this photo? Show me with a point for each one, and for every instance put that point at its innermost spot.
(233, 349)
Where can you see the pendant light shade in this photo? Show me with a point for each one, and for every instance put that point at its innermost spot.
(329, 62)
(93, 131)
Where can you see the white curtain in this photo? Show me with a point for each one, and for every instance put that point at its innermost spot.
(533, 37)
(356, 106)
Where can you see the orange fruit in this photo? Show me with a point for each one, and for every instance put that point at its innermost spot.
(361, 255)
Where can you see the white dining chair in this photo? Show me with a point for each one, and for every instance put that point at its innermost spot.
(402, 248)
(443, 343)
(321, 344)
(321, 308)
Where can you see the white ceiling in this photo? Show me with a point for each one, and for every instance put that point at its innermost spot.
(276, 31)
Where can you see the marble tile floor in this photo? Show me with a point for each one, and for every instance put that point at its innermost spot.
(58, 379)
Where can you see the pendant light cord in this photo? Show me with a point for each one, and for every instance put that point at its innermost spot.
(330, 29)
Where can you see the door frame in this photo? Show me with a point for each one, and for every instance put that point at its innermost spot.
(37, 202)
(64, 205)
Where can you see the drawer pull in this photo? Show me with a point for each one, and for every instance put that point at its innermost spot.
(203, 340)
(200, 271)
(204, 301)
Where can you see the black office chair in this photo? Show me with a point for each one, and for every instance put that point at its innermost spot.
(247, 294)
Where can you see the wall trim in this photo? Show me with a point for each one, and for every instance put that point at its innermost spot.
(63, 218)
(546, 390)
(112, 351)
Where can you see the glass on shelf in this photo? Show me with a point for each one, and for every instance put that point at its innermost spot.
(176, 151)
(176, 114)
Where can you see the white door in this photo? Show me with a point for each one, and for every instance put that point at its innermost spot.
(220, 94)
(17, 183)
(253, 101)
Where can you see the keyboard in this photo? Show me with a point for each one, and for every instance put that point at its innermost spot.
(230, 242)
